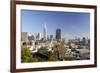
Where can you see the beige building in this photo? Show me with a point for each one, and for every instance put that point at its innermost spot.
(24, 37)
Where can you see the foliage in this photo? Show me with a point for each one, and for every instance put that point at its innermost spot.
(42, 55)
(26, 55)
(69, 58)
(52, 57)
(60, 51)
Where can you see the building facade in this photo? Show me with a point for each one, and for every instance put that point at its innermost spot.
(58, 34)
(24, 36)
(45, 32)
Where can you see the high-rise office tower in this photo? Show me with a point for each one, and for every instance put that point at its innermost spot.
(45, 32)
(58, 34)
(39, 36)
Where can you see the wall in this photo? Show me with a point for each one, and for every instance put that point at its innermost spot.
(5, 36)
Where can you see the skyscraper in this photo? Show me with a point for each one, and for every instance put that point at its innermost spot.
(45, 32)
(39, 36)
(58, 34)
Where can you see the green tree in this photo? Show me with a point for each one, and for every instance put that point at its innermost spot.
(26, 55)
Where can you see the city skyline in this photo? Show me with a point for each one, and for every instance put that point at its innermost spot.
(71, 23)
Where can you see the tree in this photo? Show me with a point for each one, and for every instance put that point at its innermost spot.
(62, 51)
(26, 55)
(59, 51)
(42, 54)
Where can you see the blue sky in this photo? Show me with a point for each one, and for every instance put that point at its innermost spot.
(71, 23)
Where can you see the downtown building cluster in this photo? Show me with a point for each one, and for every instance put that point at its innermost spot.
(78, 48)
